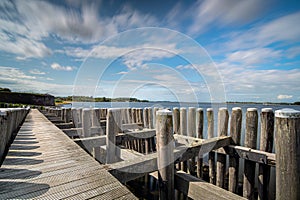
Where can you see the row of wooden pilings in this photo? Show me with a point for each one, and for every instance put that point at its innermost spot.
(224, 164)
(287, 150)
(10, 121)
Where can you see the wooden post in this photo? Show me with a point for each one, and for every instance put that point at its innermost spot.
(176, 126)
(221, 158)
(235, 133)
(266, 144)
(183, 131)
(165, 155)
(287, 150)
(75, 119)
(86, 122)
(250, 142)
(199, 123)
(192, 133)
(146, 115)
(67, 115)
(211, 155)
(112, 129)
(150, 118)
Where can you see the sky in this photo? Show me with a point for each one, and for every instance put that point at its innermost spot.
(203, 51)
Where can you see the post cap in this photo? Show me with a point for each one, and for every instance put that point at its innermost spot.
(287, 113)
(209, 109)
(3, 112)
(236, 108)
(164, 112)
(266, 110)
(251, 109)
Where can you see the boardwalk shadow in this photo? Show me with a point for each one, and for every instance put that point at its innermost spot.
(21, 147)
(25, 142)
(23, 154)
(22, 161)
(28, 191)
(25, 138)
(7, 173)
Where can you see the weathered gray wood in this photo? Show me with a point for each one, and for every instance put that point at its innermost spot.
(211, 155)
(192, 133)
(91, 142)
(287, 150)
(146, 117)
(86, 122)
(131, 169)
(183, 131)
(250, 141)
(176, 125)
(221, 159)
(58, 169)
(165, 148)
(195, 188)
(125, 127)
(235, 132)
(112, 129)
(150, 118)
(199, 123)
(266, 144)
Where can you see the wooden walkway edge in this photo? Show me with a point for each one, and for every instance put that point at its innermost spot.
(44, 163)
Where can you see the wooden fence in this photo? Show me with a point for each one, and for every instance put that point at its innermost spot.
(240, 169)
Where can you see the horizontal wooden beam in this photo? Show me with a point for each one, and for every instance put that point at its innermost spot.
(65, 125)
(132, 126)
(249, 154)
(196, 188)
(91, 142)
(131, 169)
(73, 132)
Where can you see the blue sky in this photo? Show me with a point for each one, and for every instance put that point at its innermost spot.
(210, 50)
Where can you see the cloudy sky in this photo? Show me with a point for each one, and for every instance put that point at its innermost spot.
(209, 50)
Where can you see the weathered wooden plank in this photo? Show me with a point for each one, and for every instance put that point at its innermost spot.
(131, 169)
(197, 189)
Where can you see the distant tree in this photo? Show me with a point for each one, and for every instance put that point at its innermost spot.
(5, 90)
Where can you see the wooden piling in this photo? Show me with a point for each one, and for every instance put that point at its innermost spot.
(235, 133)
(287, 150)
(176, 126)
(192, 133)
(211, 155)
(86, 122)
(165, 148)
(221, 158)
(68, 116)
(112, 129)
(150, 118)
(250, 142)
(266, 144)
(183, 131)
(199, 123)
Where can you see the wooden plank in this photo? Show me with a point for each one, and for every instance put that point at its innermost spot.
(91, 142)
(131, 169)
(45, 163)
(197, 189)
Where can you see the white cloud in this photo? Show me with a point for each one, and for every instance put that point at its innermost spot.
(283, 29)
(254, 56)
(37, 72)
(283, 96)
(224, 12)
(58, 67)
(17, 80)
(122, 73)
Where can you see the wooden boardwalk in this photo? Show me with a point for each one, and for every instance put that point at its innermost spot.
(43, 163)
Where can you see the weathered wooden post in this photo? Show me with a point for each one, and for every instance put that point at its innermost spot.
(192, 133)
(287, 148)
(67, 115)
(183, 131)
(86, 122)
(112, 128)
(223, 117)
(75, 118)
(146, 118)
(266, 144)
(199, 123)
(150, 117)
(211, 155)
(176, 126)
(250, 142)
(165, 155)
(235, 133)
